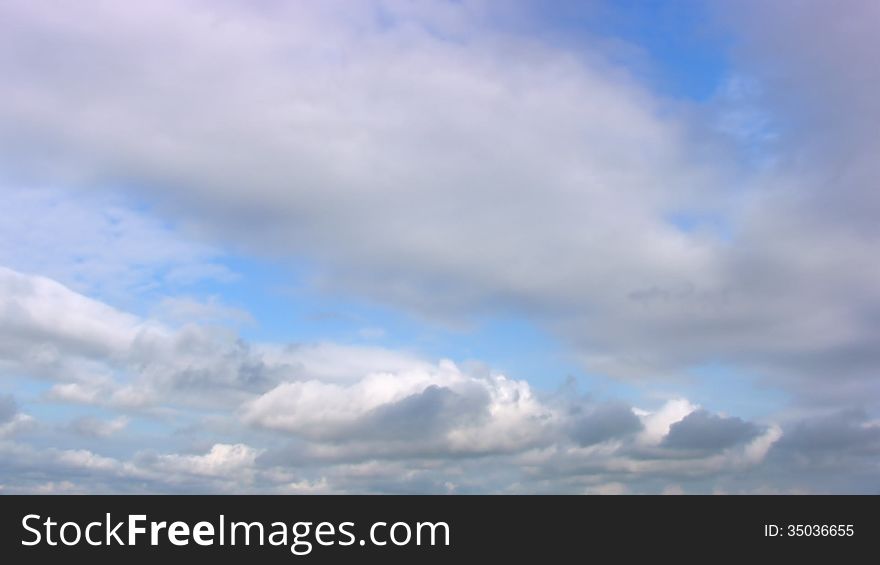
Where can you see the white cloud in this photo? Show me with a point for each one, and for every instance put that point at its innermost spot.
(223, 460)
(482, 414)
(17, 424)
(38, 309)
(338, 363)
(53, 487)
(608, 488)
(657, 423)
(758, 448)
(315, 405)
(103, 355)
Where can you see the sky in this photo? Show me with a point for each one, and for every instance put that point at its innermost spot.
(439, 246)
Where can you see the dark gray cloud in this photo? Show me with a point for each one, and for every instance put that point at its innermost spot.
(847, 432)
(831, 453)
(706, 431)
(422, 416)
(603, 422)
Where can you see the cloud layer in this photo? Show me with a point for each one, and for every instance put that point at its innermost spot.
(432, 162)
(426, 157)
(334, 418)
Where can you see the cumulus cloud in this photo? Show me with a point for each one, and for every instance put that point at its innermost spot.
(605, 422)
(221, 461)
(222, 467)
(842, 432)
(658, 423)
(438, 408)
(703, 430)
(52, 332)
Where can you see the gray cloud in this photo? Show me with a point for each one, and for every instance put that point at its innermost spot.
(513, 176)
(93, 427)
(832, 453)
(8, 408)
(422, 416)
(844, 432)
(604, 422)
(703, 430)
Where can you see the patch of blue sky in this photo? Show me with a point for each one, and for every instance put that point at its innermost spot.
(675, 46)
(732, 390)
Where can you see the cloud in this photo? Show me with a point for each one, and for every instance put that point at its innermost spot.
(831, 452)
(222, 467)
(12, 421)
(93, 427)
(439, 408)
(605, 422)
(444, 192)
(424, 415)
(429, 160)
(703, 430)
(842, 432)
(222, 460)
(52, 332)
(440, 164)
(29, 306)
(658, 423)
(8, 408)
(808, 233)
(328, 417)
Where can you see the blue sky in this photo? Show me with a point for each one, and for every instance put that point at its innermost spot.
(483, 247)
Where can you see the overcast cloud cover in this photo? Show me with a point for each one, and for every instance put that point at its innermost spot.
(242, 244)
